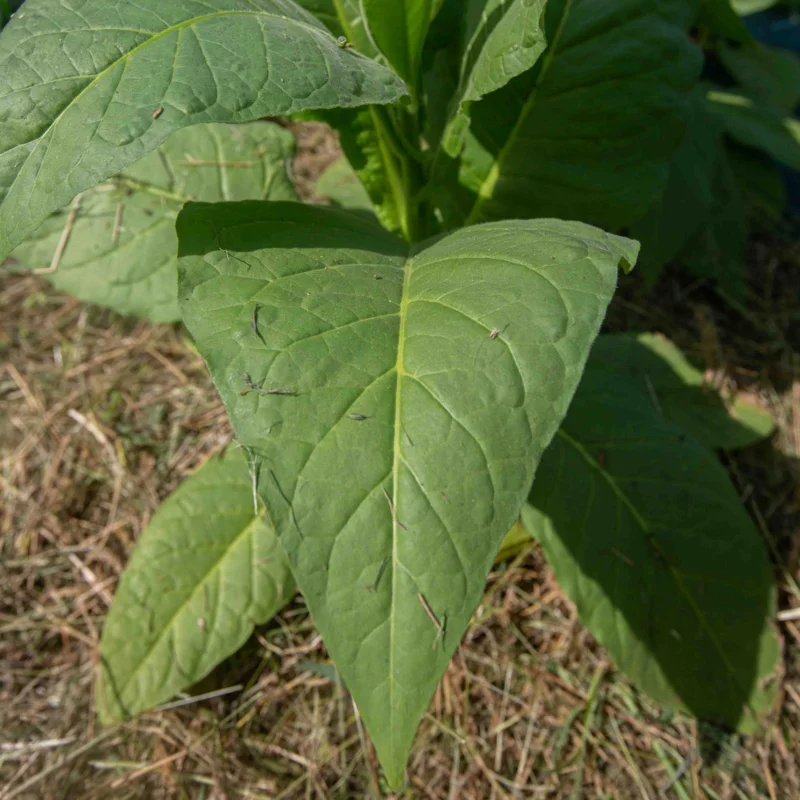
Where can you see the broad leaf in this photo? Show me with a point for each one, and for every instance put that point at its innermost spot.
(767, 73)
(652, 365)
(648, 537)
(756, 125)
(685, 205)
(398, 29)
(501, 40)
(340, 184)
(205, 571)
(121, 249)
(415, 390)
(717, 251)
(590, 131)
(113, 81)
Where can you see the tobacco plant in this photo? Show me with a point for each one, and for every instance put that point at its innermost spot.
(396, 373)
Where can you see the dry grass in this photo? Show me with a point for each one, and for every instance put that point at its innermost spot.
(102, 417)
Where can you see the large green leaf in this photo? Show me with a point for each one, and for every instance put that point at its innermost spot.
(685, 205)
(121, 249)
(678, 391)
(417, 388)
(722, 18)
(205, 571)
(700, 217)
(589, 132)
(648, 537)
(112, 80)
(758, 125)
(501, 40)
(760, 182)
(767, 73)
(398, 28)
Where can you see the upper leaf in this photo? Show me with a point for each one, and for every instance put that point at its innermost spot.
(648, 537)
(205, 571)
(416, 392)
(398, 28)
(588, 133)
(87, 88)
(500, 41)
(121, 249)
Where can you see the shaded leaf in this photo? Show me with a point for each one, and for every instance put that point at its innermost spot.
(115, 79)
(652, 365)
(203, 574)
(589, 132)
(647, 536)
(402, 458)
(325, 12)
(340, 184)
(760, 181)
(757, 125)
(767, 73)
(686, 203)
(721, 17)
(122, 251)
(501, 40)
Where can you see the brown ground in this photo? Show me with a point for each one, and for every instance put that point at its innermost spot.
(101, 417)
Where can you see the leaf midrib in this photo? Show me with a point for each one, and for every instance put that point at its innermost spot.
(399, 368)
(642, 522)
(100, 75)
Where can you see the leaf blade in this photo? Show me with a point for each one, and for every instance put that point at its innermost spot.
(674, 580)
(103, 110)
(121, 248)
(369, 492)
(160, 636)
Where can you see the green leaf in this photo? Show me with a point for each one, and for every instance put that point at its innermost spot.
(113, 81)
(760, 183)
(769, 74)
(746, 7)
(717, 251)
(204, 573)
(325, 12)
(722, 18)
(589, 132)
(756, 125)
(351, 20)
(685, 205)
(340, 184)
(648, 537)
(652, 365)
(501, 41)
(402, 457)
(700, 216)
(121, 249)
(398, 29)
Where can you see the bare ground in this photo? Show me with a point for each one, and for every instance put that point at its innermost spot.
(101, 417)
